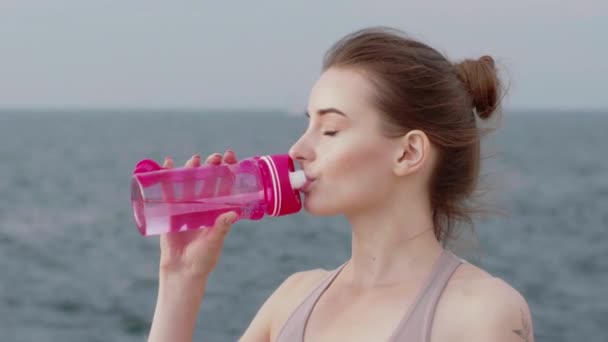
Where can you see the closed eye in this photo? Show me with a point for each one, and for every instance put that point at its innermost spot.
(330, 133)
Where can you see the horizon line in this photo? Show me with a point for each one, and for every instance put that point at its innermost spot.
(256, 110)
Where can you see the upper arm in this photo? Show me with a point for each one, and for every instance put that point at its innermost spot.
(498, 313)
(260, 327)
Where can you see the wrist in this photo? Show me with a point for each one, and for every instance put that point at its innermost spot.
(178, 303)
(182, 271)
(183, 279)
(181, 292)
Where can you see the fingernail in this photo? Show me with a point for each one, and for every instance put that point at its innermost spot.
(231, 218)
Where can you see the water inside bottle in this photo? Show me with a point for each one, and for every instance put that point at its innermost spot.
(163, 216)
(193, 198)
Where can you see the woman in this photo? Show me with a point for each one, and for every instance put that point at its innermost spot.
(392, 144)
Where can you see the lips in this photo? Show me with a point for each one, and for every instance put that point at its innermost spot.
(307, 185)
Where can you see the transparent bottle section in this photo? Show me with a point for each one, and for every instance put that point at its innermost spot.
(192, 198)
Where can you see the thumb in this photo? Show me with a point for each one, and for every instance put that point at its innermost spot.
(222, 225)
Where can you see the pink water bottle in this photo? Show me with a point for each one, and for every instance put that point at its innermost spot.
(178, 199)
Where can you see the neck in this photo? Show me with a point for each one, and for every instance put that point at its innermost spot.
(392, 243)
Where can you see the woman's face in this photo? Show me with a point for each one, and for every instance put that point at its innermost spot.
(342, 150)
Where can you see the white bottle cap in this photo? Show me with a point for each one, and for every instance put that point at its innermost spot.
(297, 179)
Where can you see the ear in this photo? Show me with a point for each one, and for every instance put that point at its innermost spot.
(413, 152)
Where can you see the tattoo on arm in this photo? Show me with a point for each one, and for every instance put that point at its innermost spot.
(524, 332)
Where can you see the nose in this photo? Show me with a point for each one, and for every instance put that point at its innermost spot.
(300, 151)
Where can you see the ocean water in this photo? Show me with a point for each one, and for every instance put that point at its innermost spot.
(74, 268)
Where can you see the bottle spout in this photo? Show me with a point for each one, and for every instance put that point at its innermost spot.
(297, 179)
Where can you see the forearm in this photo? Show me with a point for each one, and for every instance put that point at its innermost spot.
(177, 305)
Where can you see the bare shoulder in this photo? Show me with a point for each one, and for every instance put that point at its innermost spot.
(271, 316)
(304, 280)
(292, 292)
(477, 306)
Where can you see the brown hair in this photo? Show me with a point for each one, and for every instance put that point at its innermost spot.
(418, 88)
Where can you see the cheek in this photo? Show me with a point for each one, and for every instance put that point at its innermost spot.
(350, 157)
(362, 184)
(355, 175)
(356, 189)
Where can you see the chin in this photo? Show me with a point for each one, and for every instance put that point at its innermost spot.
(322, 207)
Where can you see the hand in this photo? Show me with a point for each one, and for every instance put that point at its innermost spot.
(196, 252)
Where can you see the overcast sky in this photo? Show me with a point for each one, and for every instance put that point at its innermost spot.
(267, 54)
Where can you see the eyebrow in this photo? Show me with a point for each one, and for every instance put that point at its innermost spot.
(324, 111)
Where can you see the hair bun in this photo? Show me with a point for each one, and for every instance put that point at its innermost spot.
(481, 80)
(487, 59)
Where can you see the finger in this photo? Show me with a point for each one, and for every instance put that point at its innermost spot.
(168, 163)
(196, 160)
(222, 226)
(227, 176)
(190, 178)
(193, 161)
(214, 159)
(230, 157)
(208, 188)
(167, 188)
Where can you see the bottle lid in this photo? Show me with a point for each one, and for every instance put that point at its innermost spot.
(285, 197)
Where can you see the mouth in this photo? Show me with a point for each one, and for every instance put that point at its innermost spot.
(306, 187)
